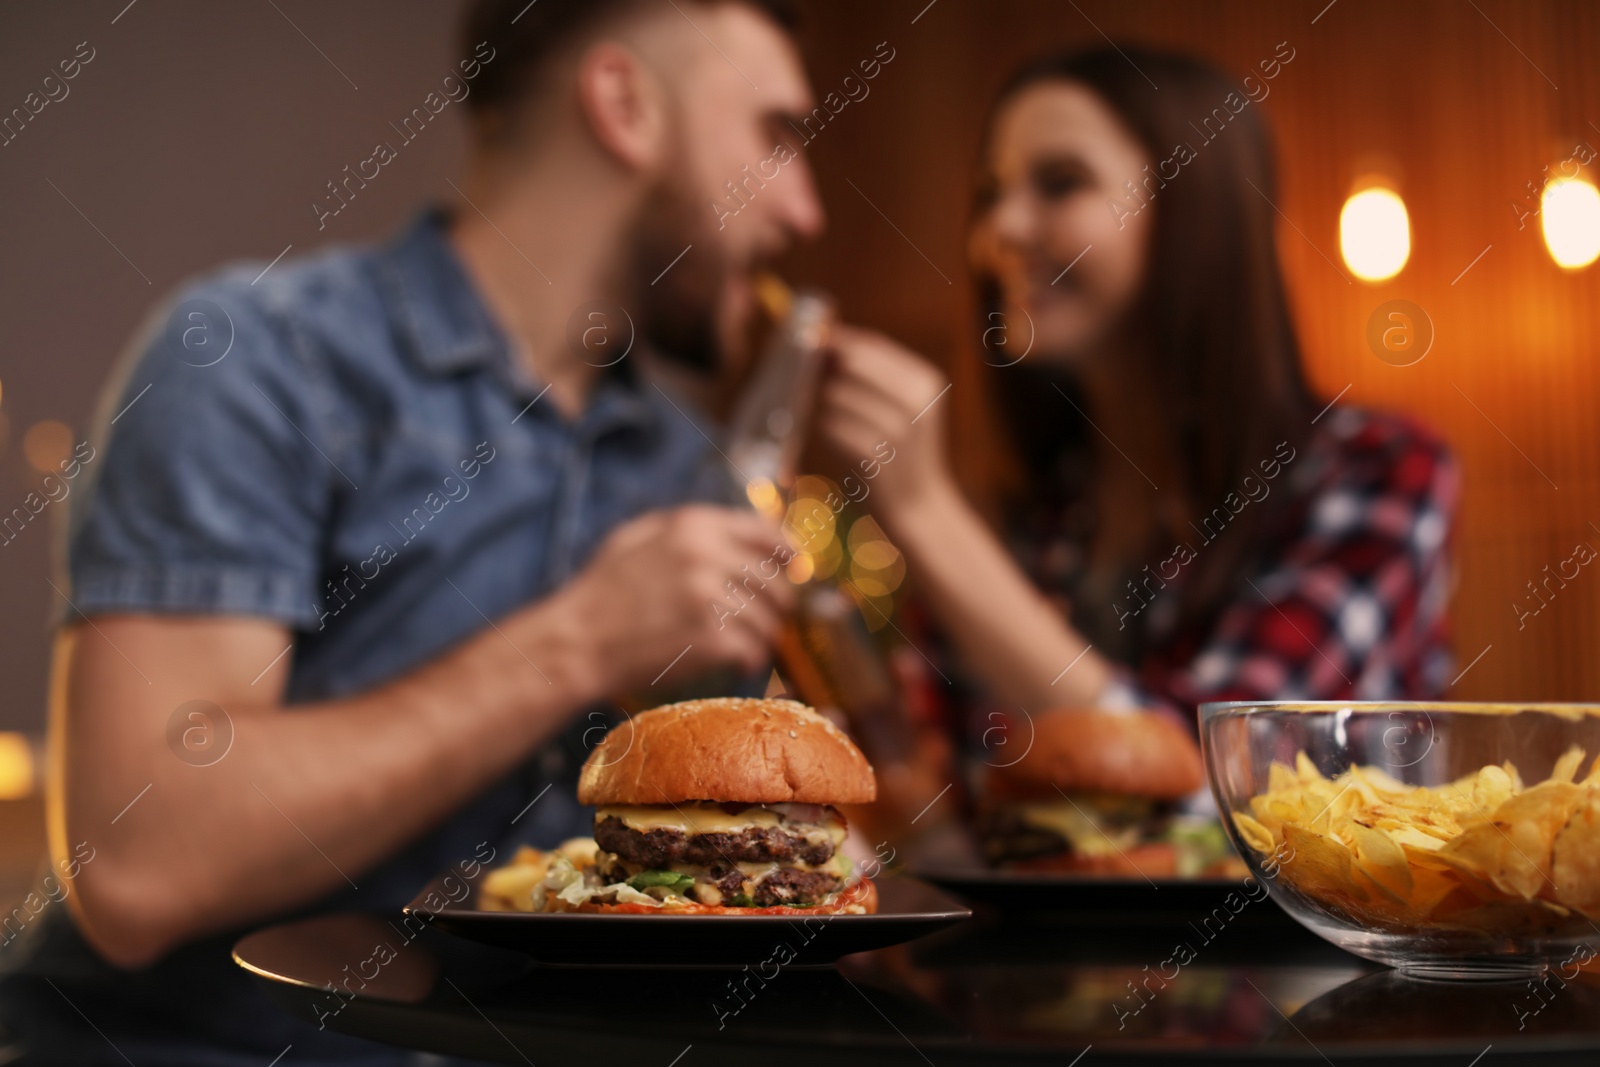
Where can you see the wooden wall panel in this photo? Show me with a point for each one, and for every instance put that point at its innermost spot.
(1434, 91)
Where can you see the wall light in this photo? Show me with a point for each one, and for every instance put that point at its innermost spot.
(1375, 234)
(1570, 211)
(16, 767)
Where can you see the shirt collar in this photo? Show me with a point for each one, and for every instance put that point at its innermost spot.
(449, 329)
(445, 321)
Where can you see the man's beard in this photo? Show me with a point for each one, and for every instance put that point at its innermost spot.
(678, 309)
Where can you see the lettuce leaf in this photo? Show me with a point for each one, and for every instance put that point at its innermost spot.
(572, 886)
(672, 880)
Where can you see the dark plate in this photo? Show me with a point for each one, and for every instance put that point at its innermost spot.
(907, 909)
(1036, 892)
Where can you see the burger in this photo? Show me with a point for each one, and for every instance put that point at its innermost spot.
(719, 807)
(1097, 794)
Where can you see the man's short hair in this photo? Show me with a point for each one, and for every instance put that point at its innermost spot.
(527, 36)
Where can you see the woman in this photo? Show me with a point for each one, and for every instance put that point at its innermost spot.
(1179, 519)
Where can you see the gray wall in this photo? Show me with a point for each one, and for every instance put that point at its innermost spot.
(200, 132)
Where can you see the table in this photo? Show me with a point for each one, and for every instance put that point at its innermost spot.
(1090, 988)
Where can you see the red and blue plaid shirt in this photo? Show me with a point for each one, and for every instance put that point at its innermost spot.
(1344, 599)
(1352, 605)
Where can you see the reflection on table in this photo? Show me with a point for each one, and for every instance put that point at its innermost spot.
(1039, 988)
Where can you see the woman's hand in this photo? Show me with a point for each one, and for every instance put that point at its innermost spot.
(1011, 636)
(876, 391)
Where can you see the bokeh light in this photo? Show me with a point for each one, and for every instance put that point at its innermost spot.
(1570, 213)
(16, 767)
(852, 549)
(878, 568)
(763, 496)
(814, 487)
(801, 569)
(875, 564)
(863, 530)
(46, 444)
(1375, 234)
(825, 559)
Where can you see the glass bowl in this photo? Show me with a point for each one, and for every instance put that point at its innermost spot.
(1430, 837)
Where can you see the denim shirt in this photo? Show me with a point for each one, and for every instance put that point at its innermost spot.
(345, 444)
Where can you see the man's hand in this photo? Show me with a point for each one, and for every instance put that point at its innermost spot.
(702, 583)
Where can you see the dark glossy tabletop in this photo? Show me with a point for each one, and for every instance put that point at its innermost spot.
(1107, 986)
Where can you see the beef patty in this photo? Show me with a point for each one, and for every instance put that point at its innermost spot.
(790, 886)
(1007, 838)
(786, 885)
(666, 846)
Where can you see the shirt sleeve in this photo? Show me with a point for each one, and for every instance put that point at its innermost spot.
(1353, 608)
(212, 479)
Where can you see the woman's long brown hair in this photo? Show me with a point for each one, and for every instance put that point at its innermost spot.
(1220, 355)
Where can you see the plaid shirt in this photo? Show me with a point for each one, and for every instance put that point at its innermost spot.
(1345, 600)
(1352, 605)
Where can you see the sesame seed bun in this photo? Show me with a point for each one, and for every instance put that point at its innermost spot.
(727, 749)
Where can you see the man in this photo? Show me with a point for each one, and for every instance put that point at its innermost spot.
(372, 536)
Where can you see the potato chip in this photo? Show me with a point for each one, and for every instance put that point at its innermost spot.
(1281, 779)
(1487, 789)
(1319, 865)
(1575, 858)
(1382, 858)
(1459, 901)
(1429, 886)
(1381, 905)
(1567, 766)
(1482, 852)
(1257, 836)
(1275, 811)
(1593, 777)
(1511, 849)
(1511, 772)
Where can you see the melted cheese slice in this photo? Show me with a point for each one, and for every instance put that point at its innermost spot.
(710, 819)
(691, 818)
(1077, 827)
(1063, 819)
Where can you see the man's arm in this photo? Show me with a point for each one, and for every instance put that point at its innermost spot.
(310, 797)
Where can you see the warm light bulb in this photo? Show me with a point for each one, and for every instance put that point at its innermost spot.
(1375, 234)
(1570, 211)
(16, 767)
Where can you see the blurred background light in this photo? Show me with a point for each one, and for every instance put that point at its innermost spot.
(1375, 234)
(1570, 212)
(801, 569)
(46, 444)
(16, 767)
(763, 495)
